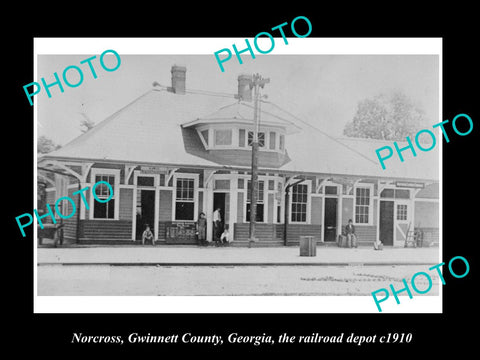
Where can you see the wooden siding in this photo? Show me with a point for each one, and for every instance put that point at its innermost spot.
(240, 207)
(317, 215)
(70, 230)
(430, 192)
(227, 208)
(126, 203)
(347, 210)
(431, 236)
(165, 208)
(87, 196)
(106, 229)
(70, 225)
(274, 232)
(200, 202)
(50, 198)
(426, 214)
(366, 234)
(162, 230)
(294, 231)
(263, 232)
(270, 202)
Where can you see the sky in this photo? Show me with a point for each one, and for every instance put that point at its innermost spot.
(323, 90)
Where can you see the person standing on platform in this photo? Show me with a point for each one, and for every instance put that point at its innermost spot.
(217, 226)
(202, 230)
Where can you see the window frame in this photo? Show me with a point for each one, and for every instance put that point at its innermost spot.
(205, 140)
(104, 172)
(236, 142)
(370, 204)
(151, 176)
(223, 146)
(281, 143)
(270, 137)
(249, 144)
(242, 144)
(309, 204)
(292, 202)
(404, 212)
(261, 201)
(395, 197)
(193, 177)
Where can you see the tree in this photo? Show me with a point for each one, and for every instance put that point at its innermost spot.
(46, 145)
(387, 117)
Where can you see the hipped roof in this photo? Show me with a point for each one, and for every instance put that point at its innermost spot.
(149, 131)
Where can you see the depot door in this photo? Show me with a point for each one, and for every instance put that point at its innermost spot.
(403, 220)
(219, 202)
(330, 220)
(145, 211)
(386, 222)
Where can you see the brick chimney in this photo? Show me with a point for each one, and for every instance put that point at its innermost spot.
(244, 91)
(178, 79)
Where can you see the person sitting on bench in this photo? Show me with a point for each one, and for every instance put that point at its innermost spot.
(351, 237)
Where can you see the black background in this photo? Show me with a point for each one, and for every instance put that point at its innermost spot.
(51, 334)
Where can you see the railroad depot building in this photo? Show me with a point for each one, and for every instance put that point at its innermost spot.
(173, 153)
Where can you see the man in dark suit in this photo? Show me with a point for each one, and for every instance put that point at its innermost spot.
(351, 237)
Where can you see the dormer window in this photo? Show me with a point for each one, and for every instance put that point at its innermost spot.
(223, 137)
(241, 138)
(261, 138)
(231, 127)
(272, 140)
(218, 137)
(204, 134)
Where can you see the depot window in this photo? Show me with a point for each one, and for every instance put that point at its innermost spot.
(362, 205)
(185, 199)
(401, 212)
(299, 203)
(260, 201)
(104, 210)
(145, 181)
(395, 193)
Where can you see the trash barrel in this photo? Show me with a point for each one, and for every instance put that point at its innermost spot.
(308, 246)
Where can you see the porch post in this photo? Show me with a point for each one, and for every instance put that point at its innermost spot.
(208, 198)
(134, 212)
(339, 212)
(156, 215)
(379, 190)
(82, 208)
(233, 200)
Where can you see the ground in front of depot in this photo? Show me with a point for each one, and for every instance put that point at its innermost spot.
(161, 280)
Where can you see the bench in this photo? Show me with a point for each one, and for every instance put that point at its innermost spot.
(50, 231)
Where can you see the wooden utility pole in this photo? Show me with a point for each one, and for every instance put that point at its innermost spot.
(256, 83)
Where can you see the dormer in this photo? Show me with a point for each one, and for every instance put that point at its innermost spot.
(226, 134)
(222, 136)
